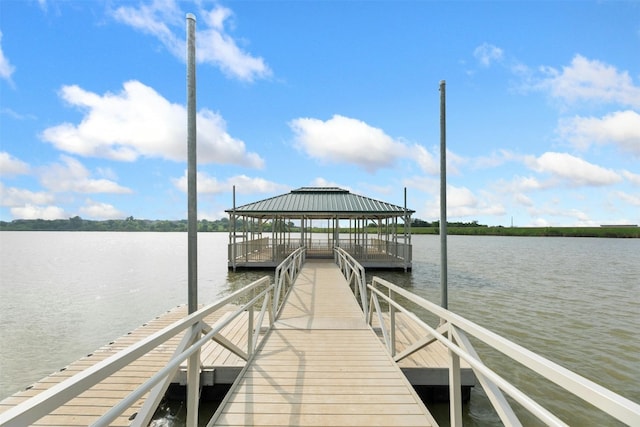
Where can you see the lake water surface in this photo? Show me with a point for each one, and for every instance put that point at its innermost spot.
(575, 301)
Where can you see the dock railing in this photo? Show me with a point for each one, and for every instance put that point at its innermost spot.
(250, 250)
(354, 272)
(378, 249)
(286, 273)
(453, 332)
(393, 248)
(196, 333)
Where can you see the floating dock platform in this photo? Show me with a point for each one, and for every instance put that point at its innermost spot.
(319, 362)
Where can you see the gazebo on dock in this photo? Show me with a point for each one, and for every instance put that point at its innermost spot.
(376, 233)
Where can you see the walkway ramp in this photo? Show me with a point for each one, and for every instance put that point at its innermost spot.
(321, 365)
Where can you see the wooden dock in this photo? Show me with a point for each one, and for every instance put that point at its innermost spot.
(320, 364)
(84, 409)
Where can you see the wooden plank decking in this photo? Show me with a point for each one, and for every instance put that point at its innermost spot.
(321, 365)
(90, 405)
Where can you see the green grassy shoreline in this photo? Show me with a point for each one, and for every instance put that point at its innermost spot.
(610, 232)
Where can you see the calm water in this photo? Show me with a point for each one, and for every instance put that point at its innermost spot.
(575, 301)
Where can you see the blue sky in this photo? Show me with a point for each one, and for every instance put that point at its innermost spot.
(543, 106)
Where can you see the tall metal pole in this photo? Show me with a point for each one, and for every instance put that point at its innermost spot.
(193, 363)
(443, 197)
(191, 165)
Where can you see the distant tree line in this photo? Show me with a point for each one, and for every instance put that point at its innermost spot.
(418, 226)
(132, 224)
(128, 224)
(436, 224)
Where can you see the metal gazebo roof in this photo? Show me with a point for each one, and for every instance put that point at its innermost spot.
(321, 202)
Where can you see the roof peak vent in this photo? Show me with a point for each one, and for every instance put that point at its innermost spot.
(320, 190)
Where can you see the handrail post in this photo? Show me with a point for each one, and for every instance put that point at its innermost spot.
(392, 324)
(363, 292)
(193, 380)
(455, 386)
(272, 313)
(276, 294)
(356, 283)
(250, 332)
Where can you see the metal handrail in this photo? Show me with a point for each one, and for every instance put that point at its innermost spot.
(459, 346)
(354, 272)
(286, 273)
(44, 403)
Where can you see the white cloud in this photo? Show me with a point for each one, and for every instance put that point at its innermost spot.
(573, 170)
(521, 184)
(632, 199)
(463, 203)
(215, 46)
(590, 81)
(100, 211)
(155, 19)
(215, 145)
(71, 176)
(14, 197)
(577, 217)
(346, 140)
(248, 185)
(428, 163)
(422, 183)
(497, 158)
(38, 212)
(633, 178)
(621, 128)
(460, 197)
(487, 53)
(15, 115)
(521, 199)
(453, 163)
(6, 69)
(27, 204)
(140, 122)
(10, 165)
(539, 222)
(207, 184)
(107, 173)
(164, 20)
